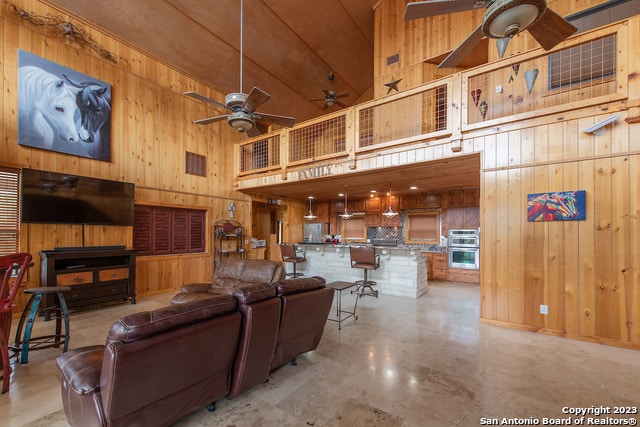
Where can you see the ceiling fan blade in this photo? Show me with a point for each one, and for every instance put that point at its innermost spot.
(205, 99)
(210, 120)
(277, 120)
(424, 9)
(342, 95)
(318, 99)
(256, 97)
(551, 29)
(342, 104)
(463, 49)
(258, 129)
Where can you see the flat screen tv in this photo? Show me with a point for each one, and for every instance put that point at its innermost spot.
(61, 198)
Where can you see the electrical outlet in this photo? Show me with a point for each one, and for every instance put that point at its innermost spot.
(544, 309)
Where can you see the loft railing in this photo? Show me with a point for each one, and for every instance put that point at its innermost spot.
(582, 72)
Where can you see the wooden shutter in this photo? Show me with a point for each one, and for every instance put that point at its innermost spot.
(197, 231)
(180, 231)
(161, 237)
(9, 211)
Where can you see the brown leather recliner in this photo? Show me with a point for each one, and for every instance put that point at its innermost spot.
(230, 275)
(305, 307)
(249, 281)
(155, 368)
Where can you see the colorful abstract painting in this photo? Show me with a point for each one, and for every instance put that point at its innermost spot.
(556, 206)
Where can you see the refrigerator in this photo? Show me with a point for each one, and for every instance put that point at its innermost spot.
(315, 232)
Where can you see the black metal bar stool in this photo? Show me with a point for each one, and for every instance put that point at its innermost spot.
(31, 311)
(366, 259)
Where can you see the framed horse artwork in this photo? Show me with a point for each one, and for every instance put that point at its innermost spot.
(556, 206)
(62, 110)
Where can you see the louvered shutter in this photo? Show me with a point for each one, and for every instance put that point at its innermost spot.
(161, 236)
(9, 211)
(143, 218)
(180, 230)
(197, 231)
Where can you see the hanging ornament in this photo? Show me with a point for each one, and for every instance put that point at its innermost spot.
(502, 45)
(475, 94)
(393, 85)
(510, 78)
(515, 68)
(483, 109)
(530, 77)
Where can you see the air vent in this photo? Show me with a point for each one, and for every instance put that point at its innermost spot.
(393, 59)
(195, 164)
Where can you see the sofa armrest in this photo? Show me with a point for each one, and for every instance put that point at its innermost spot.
(81, 368)
(294, 286)
(195, 287)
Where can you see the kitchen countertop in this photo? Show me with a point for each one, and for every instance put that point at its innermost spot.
(401, 247)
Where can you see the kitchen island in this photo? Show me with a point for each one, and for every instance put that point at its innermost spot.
(402, 271)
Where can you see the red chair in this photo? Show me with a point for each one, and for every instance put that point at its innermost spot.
(12, 270)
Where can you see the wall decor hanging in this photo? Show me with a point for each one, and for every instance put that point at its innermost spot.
(556, 206)
(530, 77)
(393, 84)
(62, 110)
(502, 45)
(475, 95)
(483, 107)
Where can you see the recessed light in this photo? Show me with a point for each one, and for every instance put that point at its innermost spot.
(413, 187)
(340, 194)
(373, 191)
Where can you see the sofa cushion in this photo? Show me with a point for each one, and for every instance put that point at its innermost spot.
(254, 292)
(150, 323)
(294, 286)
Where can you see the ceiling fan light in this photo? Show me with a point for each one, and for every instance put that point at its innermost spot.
(310, 215)
(240, 121)
(506, 18)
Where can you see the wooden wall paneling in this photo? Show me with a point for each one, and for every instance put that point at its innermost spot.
(503, 148)
(516, 210)
(556, 142)
(571, 257)
(587, 251)
(540, 253)
(541, 144)
(502, 245)
(555, 258)
(489, 256)
(620, 256)
(632, 296)
(603, 246)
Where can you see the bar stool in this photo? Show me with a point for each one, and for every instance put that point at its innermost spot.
(30, 312)
(365, 258)
(290, 255)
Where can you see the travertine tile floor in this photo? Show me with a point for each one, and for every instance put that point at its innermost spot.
(404, 362)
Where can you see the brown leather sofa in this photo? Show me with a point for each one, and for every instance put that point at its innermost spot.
(155, 368)
(216, 339)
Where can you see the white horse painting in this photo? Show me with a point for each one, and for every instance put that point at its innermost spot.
(46, 109)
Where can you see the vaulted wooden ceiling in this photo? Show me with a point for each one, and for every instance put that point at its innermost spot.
(289, 47)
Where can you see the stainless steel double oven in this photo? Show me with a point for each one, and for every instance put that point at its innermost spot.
(464, 248)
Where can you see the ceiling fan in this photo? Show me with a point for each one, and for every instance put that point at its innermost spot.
(242, 107)
(502, 19)
(331, 98)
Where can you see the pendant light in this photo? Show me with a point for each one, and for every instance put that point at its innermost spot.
(389, 212)
(346, 214)
(310, 215)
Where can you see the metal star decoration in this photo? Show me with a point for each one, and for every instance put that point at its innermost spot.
(70, 30)
(393, 84)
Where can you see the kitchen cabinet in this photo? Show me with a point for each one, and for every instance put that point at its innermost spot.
(437, 266)
(412, 201)
(372, 205)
